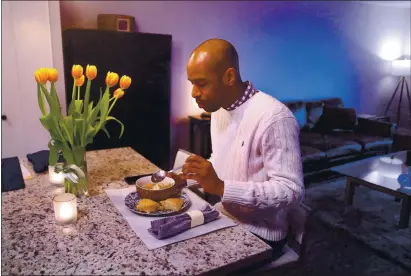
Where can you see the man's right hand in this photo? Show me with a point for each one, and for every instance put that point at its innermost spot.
(179, 181)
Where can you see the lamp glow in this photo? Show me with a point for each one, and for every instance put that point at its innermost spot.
(390, 49)
(390, 167)
(401, 67)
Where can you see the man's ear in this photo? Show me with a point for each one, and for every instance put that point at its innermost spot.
(230, 77)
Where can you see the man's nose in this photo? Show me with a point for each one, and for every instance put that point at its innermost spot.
(195, 92)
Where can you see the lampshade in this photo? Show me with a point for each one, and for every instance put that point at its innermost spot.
(401, 67)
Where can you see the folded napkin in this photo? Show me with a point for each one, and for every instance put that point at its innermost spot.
(40, 160)
(11, 175)
(171, 226)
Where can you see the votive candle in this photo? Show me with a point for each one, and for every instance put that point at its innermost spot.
(65, 208)
(55, 178)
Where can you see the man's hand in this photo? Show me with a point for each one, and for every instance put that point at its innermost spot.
(180, 182)
(201, 170)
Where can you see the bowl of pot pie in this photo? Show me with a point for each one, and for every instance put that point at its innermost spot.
(157, 191)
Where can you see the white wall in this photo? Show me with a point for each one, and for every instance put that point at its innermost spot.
(382, 35)
(31, 39)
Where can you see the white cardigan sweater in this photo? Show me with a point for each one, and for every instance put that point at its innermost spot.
(256, 152)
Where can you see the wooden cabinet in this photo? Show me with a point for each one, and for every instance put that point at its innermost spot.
(145, 107)
(200, 138)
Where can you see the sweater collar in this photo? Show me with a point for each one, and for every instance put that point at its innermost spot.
(248, 93)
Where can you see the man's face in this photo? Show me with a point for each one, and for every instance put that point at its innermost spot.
(207, 84)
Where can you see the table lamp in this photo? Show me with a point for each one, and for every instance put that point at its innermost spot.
(401, 68)
(390, 167)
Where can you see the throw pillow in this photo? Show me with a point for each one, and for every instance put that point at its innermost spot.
(300, 114)
(333, 102)
(337, 118)
(314, 112)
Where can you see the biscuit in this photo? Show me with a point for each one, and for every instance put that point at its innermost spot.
(148, 206)
(172, 204)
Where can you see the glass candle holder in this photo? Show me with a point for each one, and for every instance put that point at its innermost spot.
(55, 178)
(65, 208)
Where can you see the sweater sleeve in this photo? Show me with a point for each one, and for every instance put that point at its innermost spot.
(282, 163)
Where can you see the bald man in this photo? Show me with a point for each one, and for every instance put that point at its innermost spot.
(255, 166)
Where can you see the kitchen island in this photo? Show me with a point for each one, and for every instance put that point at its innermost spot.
(101, 241)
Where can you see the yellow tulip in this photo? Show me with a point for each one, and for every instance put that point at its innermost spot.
(53, 75)
(80, 81)
(125, 82)
(77, 71)
(111, 79)
(119, 93)
(41, 75)
(91, 72)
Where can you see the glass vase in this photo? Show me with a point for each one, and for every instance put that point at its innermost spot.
(76, 178)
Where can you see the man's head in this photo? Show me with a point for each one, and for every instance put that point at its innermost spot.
(214, 72)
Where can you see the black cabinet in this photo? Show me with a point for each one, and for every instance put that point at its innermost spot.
(203, 136)
(145, 107)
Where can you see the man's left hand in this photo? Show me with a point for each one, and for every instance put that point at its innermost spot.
(201, 170)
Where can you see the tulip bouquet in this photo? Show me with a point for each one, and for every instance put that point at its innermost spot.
(71, 134)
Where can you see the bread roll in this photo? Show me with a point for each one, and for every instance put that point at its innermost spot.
(172, 204)
(148, 206)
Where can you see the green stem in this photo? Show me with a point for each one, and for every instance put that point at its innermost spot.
(78, 92)
(54, 112)
(112, 105)
(40, 98)
(53, 94)
(86, 100)
(73, 93)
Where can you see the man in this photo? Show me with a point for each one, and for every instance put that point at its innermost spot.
(255, 164)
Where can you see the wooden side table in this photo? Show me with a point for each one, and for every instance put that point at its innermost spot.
(203, 125)
(402, 140)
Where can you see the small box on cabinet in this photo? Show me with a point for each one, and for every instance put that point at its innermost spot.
(116, 22)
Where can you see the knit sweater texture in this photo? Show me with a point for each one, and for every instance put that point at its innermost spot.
(256, 152)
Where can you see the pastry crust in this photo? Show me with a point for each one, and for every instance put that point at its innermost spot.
(148, 206)
(172, 204)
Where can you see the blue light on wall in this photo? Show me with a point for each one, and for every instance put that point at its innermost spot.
(300, 55)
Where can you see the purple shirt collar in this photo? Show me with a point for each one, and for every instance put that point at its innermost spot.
(248, 93)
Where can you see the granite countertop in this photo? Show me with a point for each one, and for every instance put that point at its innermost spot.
(101, 241)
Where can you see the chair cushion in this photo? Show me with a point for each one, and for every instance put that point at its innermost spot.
(371, 143)
(309, 138)
(333, 146)
(337, 118)
(313, 140)
(310, 154)
(338, 146)
(368, 142)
